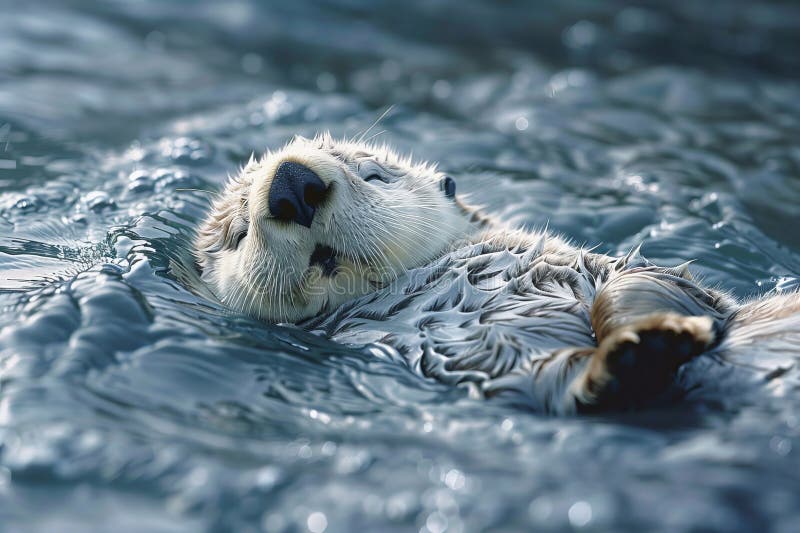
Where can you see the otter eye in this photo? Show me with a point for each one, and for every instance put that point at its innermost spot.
(240, 237)
(375, 176)
(448, 185)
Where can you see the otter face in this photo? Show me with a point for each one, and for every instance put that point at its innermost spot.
(322, 221)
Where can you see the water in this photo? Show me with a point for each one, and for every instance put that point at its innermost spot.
(130, 397)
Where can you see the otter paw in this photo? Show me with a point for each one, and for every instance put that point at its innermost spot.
(636, 363)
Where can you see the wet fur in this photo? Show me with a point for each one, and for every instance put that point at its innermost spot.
(522, 314)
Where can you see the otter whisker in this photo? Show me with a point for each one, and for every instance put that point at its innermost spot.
(215, 193)
(375, 135)
(388, 110)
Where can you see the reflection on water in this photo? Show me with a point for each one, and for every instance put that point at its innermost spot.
(128, 394)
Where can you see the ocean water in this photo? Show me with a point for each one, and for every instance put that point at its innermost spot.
(130, 400)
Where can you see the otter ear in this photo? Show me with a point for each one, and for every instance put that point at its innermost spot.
(448, 186)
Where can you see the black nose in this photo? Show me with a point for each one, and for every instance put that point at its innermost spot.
(295, 193)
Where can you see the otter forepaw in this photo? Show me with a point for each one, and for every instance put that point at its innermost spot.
(637, 362)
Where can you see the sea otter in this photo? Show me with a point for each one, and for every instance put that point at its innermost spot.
(353, 241)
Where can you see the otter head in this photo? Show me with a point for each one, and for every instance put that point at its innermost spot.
(322, 221)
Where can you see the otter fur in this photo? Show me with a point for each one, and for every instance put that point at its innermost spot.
(352, 241)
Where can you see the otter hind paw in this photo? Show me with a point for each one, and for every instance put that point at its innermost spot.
(638, 362)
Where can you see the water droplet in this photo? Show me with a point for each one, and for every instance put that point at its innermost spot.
(580, 514)
(317, 522)
(266, 477)
(98, 200)
(454, 479)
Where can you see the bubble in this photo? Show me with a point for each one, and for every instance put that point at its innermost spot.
(521, 123)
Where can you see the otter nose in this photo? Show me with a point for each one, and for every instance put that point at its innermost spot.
(295, 193)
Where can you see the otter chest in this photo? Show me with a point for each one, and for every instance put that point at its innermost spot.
(474, 314)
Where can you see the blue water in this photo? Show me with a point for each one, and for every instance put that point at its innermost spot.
(131, 401)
